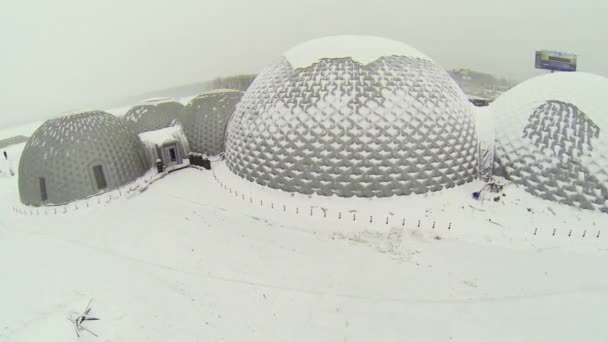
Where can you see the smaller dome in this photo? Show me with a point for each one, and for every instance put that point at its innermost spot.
(552, 138)
(153, 114)
(204, 119)
(78, 155)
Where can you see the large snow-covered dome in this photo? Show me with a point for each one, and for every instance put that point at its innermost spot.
(552, 137)
(74, 156)
(204, 119)
(353, 116)
(153, 114)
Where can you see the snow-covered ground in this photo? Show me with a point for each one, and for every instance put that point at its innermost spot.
(10, 166)
(188, 259)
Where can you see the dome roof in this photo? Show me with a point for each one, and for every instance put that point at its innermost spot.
(361, 49)
(205, 117)
(390, 122)
(152, 114)
(552, 137)
(79, 155)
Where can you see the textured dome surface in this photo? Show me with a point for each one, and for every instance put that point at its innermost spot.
(153, 115)
(552, 137)
(72, 157)
(393, 126)
(204, 119)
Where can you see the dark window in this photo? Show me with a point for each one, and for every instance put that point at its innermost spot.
(172, 155)
(43, 194)
(100, 178)
(559, 59)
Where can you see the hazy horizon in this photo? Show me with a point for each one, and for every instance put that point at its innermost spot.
(70, 54)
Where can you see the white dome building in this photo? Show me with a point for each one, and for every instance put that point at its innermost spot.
(353, 116)
(552, 138)
(205, 117)
(153, 114)
(78, 155)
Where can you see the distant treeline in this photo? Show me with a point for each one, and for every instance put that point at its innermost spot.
(13, 140)
(240, 82)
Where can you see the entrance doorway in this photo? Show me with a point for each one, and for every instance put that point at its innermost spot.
(170, 153)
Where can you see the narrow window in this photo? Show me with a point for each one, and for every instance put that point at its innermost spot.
(43, 194)
(100, 178)
(172, 155)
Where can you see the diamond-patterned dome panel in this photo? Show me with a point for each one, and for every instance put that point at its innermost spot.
(63, 151)
(204, 120)
(152, 116)
(554, 157)
(396, 126)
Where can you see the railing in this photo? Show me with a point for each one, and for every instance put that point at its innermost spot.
(336, 214)
(126, 191)
(407, 221)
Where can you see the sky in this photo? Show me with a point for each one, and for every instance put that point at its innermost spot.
(64, 55)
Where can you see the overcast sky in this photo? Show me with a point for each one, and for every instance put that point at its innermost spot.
(60, 55)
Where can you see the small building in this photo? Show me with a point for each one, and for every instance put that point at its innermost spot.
(169, 145)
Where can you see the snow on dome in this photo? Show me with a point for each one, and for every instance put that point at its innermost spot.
(204, 119)
(74, 156)
(153, 114)
(396, 126)
(157, 100)
(552, 138)
(362, 49)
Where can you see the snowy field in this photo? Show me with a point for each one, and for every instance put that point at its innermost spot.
(205, 256)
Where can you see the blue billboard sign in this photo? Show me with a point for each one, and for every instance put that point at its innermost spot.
(555, 61)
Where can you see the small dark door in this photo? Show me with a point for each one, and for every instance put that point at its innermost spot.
(43, 194)
(100, 178)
